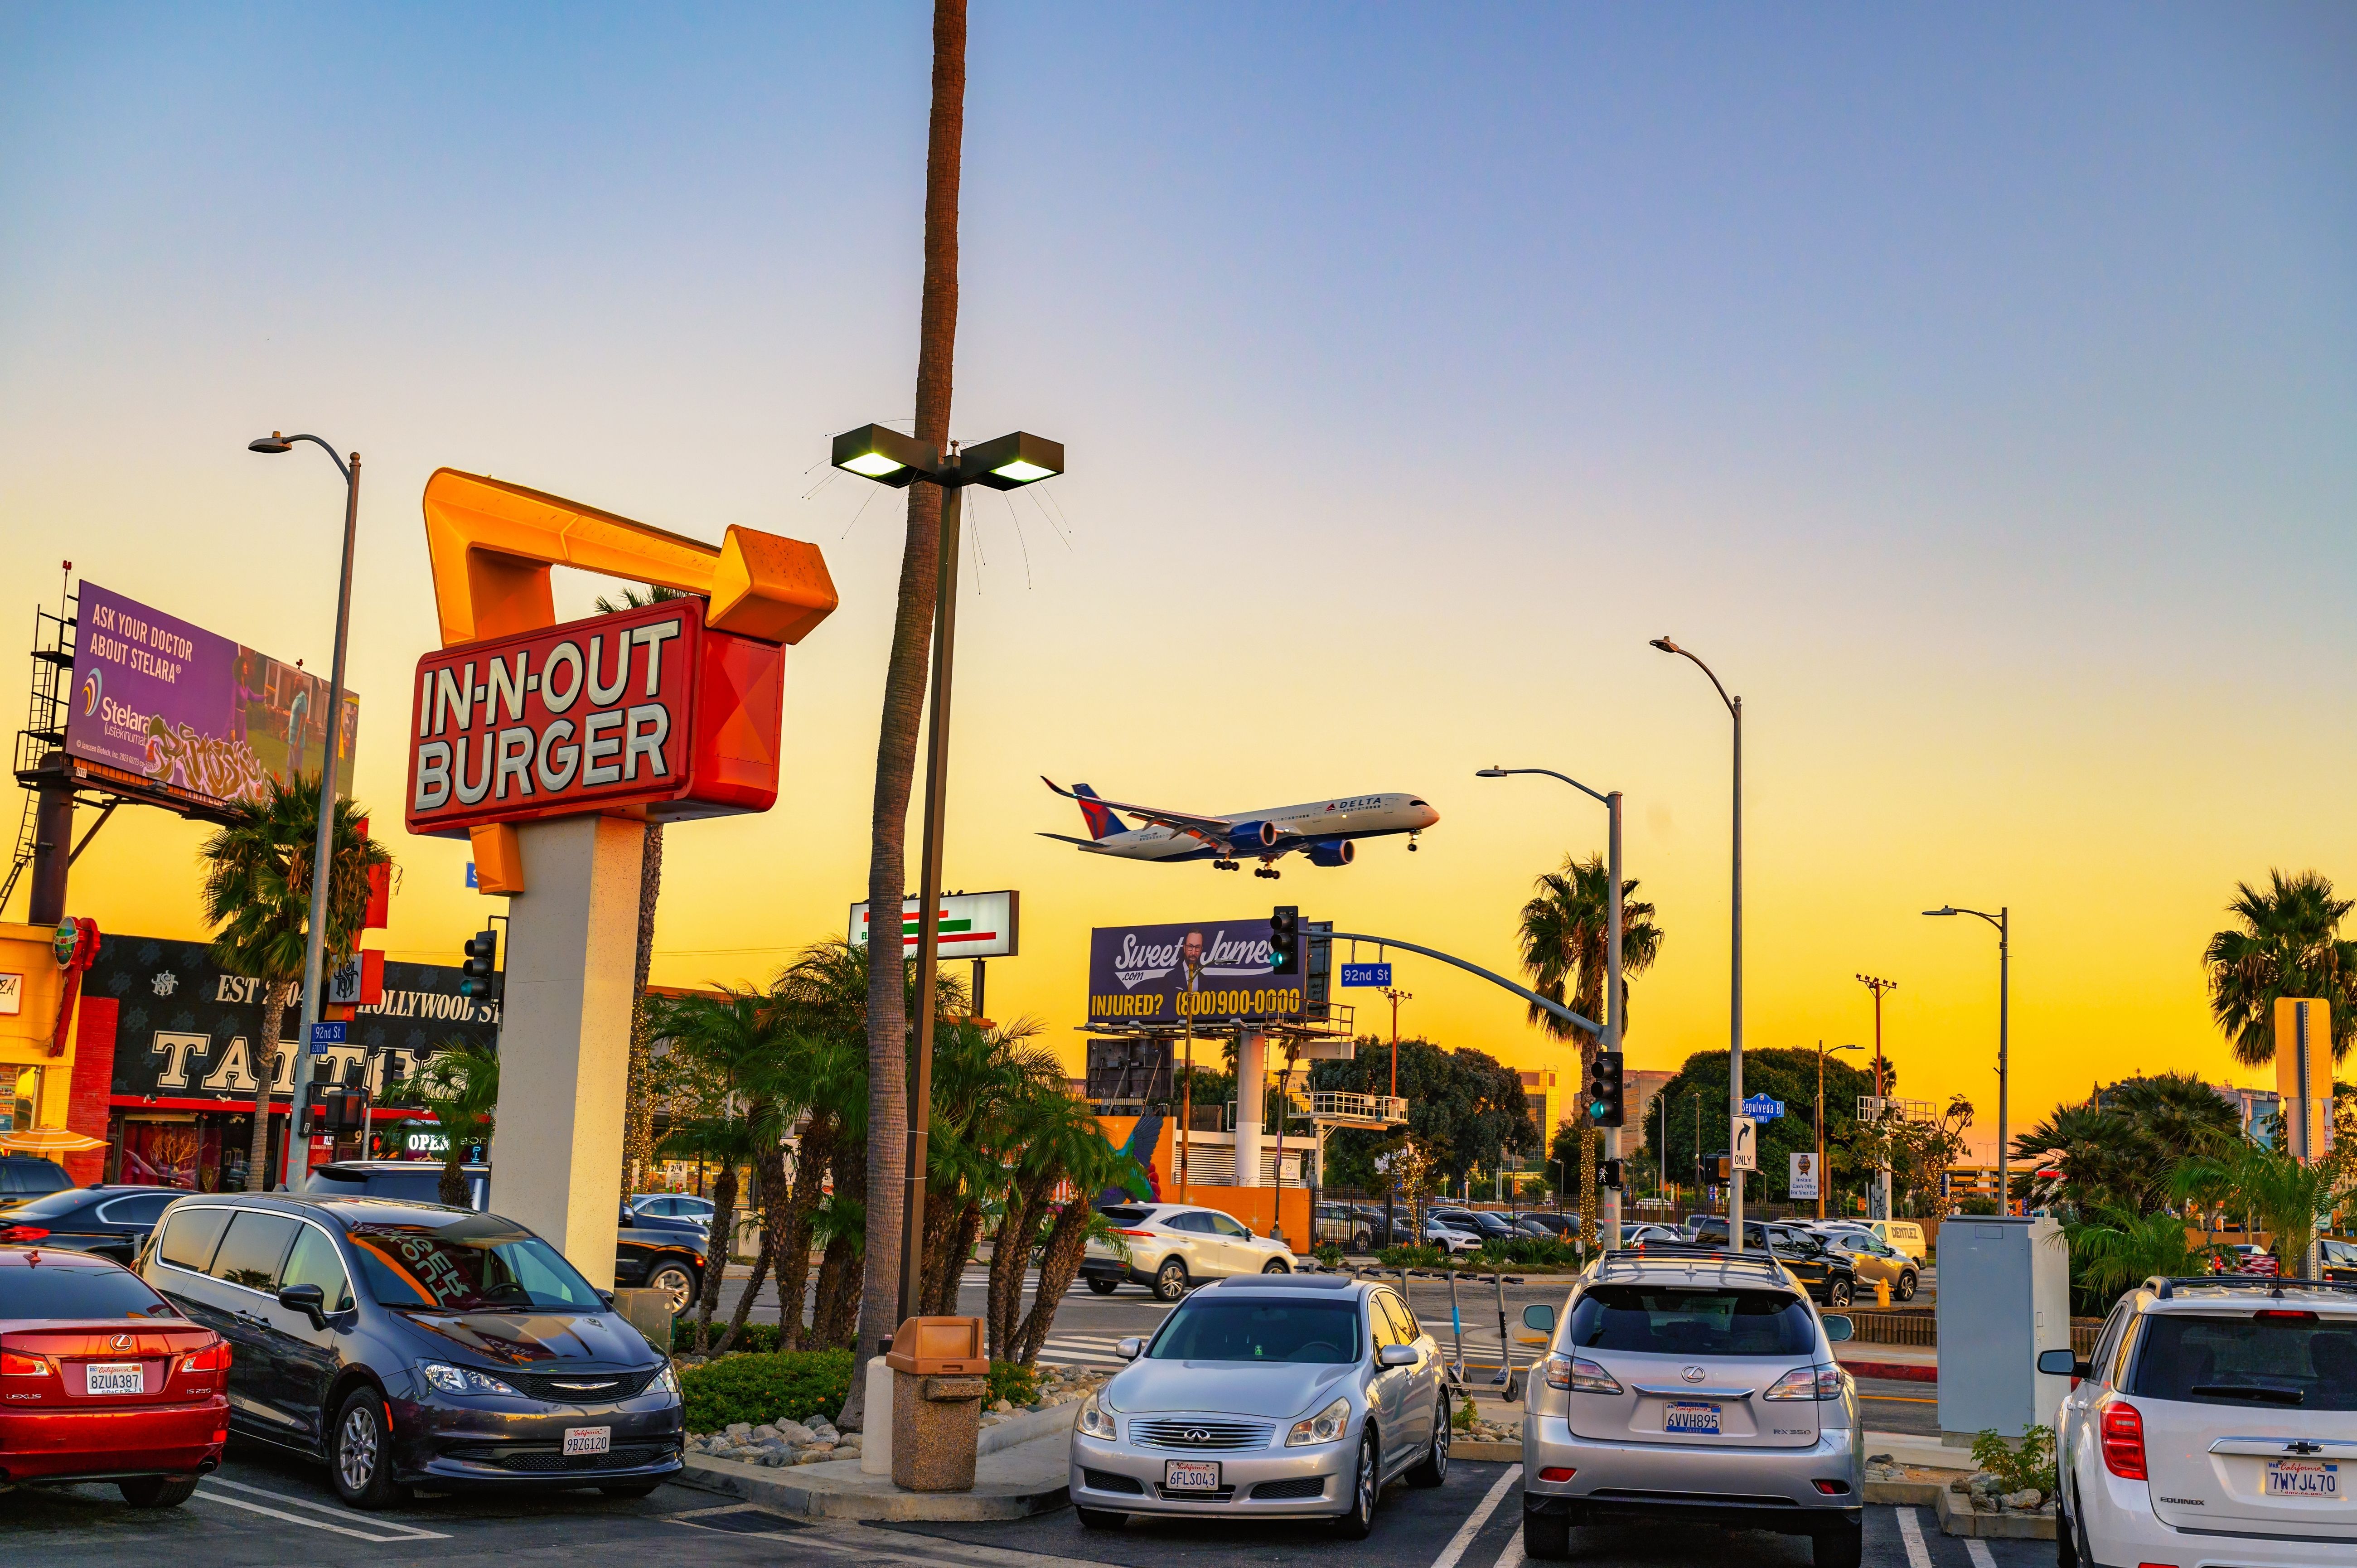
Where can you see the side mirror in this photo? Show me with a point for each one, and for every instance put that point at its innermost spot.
(604, 1295)
(308, 1300)
(1129, 1349)
(1839, 1330)
(1539, 1316)
(1396, 1356)
(2063, 1364)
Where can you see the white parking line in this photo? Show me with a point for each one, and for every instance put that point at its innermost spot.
(1480, 1516)
(1911, 1532)
(1512, 1556)
(205, 1491)
(1981, 1554)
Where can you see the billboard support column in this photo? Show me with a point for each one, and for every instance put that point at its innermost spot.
(565, 1038)
(52, 852)
(1252, 1084)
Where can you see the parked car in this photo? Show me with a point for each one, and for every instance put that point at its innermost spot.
(1174, 1245)
(101, 1379)
(1547, 1223)
(2252, 1259)
(1698, 1387)
(1825, 1273)
(1874, 1262)
(408, 1344)
(112, 1222)
(27, 1176)
(674, 1206)
(1448, 1238)
(2212, 1423)
(1647, 1235)
(671, 1259)
(1344, 1227)
(1381, 1225)
(2339, 1258)
(1482, 1222)
(1903, 1235)
(1271, 1398)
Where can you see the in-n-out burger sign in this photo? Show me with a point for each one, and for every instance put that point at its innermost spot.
(649, 713)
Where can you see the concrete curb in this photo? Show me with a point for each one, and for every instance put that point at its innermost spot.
(1899, 1371)
(1008, 1485)
(1958, 1516)
(1025, 1426)
(1490, 1453)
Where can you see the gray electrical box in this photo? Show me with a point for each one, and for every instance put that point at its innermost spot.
(2003, 1295)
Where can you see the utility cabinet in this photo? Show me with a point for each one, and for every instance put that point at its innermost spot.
(2003, 1295)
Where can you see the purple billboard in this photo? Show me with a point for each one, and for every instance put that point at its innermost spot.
(1204, 970)
(195, 712)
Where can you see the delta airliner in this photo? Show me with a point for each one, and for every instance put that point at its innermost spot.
(1327, 832)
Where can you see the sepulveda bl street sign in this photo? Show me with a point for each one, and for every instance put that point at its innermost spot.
(1760, 1107)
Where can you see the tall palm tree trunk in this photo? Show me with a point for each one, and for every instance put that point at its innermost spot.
(840, 1282)
(793, 1245)
(716, 1264)
(263, 1058)
(1589, 1233)
(1060, 1265)
(637, 1099)
(904, 694)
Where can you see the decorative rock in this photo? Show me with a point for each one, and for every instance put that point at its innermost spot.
(739, 1428)
(794, 1432)
(849, 1440)
(815, 1455)
(2027, 1499)
(1002, 1407)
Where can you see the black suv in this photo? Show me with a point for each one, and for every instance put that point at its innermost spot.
(112, 1222)
(1823, 1272)
(667, 1256)
(24, 1177)
(409, 1344)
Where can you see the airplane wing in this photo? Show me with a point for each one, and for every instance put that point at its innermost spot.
(1067, 838)
(1210, 830)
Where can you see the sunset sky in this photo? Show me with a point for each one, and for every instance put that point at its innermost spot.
(1974, 391)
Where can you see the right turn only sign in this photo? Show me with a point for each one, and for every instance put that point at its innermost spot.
(1742, 1139)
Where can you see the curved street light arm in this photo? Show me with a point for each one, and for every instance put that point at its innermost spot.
(1955, 910)
(333, 455)
(1707, 671)
(1495, 772)
(1557, 1009)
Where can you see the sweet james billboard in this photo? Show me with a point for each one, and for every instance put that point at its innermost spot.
(180, 707)
(1210, 970)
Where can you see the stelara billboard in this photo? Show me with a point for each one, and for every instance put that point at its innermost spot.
(1205, 969)
(648, 713)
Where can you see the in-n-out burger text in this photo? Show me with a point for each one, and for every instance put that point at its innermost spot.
(588, 714)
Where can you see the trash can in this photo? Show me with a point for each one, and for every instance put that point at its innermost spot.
(940, 1374)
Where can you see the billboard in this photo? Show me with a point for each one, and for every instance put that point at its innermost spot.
(1208, 970)
(971, 925)
(648, 708)
(206, 718)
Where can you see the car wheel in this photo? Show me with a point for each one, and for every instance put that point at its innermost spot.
(359, 1459)
(1277, 1266)
(158, 1491)
(1101, 1519)
(1365, 1483)
(1433, 1469)
(631, 1488)
(1170, 1280)
(1101, 1285)
(1906, 1291)
(1545, 1536)
(1839, 1546)
(2066, 1536)
(1838, 1292)
(677, 1281)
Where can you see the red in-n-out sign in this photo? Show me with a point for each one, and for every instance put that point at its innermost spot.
(647, 713)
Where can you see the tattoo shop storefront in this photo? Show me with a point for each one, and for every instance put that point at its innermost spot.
(186, 1048)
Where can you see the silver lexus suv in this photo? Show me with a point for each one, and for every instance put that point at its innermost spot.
(1692, 1384)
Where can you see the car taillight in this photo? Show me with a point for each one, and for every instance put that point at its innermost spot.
(1132, 1232)
(17, 1364)
(2123, 1430)
(20, 1234)
(1819, 1382)
(1579, 1375)
(1557, 1473)
(212, 1359)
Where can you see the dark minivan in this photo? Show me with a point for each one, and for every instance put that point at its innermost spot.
(407, 1344)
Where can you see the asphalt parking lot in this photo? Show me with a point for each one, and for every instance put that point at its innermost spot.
(263, 1509)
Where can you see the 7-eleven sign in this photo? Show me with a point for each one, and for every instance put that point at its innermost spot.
(972, 925)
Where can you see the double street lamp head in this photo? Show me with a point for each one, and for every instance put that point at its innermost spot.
(885, 455)
(882, 453)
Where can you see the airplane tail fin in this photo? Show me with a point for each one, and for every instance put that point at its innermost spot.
(1102, 819)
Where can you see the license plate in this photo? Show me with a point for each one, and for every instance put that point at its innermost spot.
(2315, 1478)
(588, 1439)
(114, 1377)
(1692, 1418)
(1190, 1476)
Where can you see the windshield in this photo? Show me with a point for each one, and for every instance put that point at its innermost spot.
(1678, 1321)
(77, 1292)
(2271, 1359)
(470, 1266)
(1312, 1332)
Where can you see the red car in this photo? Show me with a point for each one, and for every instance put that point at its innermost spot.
(102, 1379)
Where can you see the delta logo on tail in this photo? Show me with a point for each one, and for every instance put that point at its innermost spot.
(1326, 832)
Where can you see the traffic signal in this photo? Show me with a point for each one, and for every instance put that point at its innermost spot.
(334, 1110)
(1611, 1179)
(479, 977)
(1284, 939)
(1604, 1101)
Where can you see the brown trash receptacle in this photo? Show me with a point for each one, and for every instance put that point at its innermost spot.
(938, 1377)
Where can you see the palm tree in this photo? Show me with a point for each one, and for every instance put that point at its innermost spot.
(460, 1084)
(257, 891)
(2117, 1150)
(904, 693)
(2285, 1196)
(2287, 944)
(637, 1095)
(1566, 932)
(2115, 1250)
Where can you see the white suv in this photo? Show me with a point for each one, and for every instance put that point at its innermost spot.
(2215, 1424)
(1174, 1245)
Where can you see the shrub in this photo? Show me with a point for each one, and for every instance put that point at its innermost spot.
(758, 1339)
(1328, 1254)
(1012, 1382)
(1425, 1257)
(1528, 1250)
(2031, 1466)
(793, 1385)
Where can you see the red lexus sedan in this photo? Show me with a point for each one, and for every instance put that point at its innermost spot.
(101, 1379)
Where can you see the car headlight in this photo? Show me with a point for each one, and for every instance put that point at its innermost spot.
(449, 1380)
(1096, 1421)
(1327, 1426)
(666, 1379)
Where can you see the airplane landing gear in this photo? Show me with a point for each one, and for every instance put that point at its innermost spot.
(1267, 871)
(1225, 865)
(1411, 843)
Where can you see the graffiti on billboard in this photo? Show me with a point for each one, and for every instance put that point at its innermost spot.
(196, 713)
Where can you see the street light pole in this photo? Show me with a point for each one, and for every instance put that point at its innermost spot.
(1735, 984)
(1881, 1110)
(1822, 1181)
(2002, 920)
(323, 847)
(1614, 1024)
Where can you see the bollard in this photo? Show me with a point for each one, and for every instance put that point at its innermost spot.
(938, 1377)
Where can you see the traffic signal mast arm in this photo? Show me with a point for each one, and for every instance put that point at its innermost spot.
(1557, 1009)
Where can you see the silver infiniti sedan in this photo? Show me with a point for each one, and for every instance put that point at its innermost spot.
(1270, 1396)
